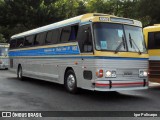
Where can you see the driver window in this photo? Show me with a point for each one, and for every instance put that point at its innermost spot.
(84, 39)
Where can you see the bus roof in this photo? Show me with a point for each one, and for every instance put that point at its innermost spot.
(155, 27)
(86, 18)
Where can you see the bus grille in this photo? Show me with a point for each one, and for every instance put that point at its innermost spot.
(154, 69)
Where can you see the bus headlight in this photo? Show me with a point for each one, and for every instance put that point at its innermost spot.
(143, 73)
(110, 73)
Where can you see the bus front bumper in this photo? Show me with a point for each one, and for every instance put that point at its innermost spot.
(120, 85)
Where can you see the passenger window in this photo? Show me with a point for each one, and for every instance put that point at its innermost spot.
(157, 39)
(29, 40)
(150, 40)
(20, 42)
(40, 39)
(85, 39)
(52, 36)
(13, 44)
(65, 34)
(73, 34)
(154, 40)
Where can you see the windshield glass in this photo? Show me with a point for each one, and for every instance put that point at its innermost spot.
(109, 36)
(3, 51)
(135, 40)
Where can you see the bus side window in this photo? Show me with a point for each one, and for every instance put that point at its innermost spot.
(154, 40)
(65, 34)
(13, 44)
(85, 39)
(29, 40)
(73, 34)
(151, 42)
(20, 42)
(52, 36)
(157, 39)
(40, 39)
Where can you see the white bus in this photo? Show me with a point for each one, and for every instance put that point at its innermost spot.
(4, 59)
(98, 52)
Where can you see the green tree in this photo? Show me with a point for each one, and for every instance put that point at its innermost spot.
(81, 9)
(66, 8)
(128, 8)
(149, 9)
(18, 16)
(104, 6)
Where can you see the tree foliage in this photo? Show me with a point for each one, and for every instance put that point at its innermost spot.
(20, 15)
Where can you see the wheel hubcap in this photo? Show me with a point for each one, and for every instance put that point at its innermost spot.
(71, 82)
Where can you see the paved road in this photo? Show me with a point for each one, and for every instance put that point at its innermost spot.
(36, 95)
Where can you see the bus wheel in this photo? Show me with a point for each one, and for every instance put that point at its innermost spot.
(71, 82)
(19, 73)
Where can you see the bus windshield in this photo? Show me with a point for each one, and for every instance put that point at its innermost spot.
(109, 37)
(3, 51)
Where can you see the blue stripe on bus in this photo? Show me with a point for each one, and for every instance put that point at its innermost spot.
(57, 52)
(64, 50)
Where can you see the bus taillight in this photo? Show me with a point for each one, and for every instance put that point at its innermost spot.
(99, 73)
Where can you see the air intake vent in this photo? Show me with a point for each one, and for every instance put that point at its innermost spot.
(154, 69)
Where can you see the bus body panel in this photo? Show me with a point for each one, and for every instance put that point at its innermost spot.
(53, 69)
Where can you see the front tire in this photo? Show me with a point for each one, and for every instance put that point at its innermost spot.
(19, 73)
(71, 82)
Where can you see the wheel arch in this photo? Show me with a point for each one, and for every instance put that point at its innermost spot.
(72, 88)
(67, 69)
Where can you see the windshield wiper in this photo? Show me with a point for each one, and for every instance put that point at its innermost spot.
(119, 46)
(132, 41)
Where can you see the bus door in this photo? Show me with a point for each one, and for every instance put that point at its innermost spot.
(86, 48)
